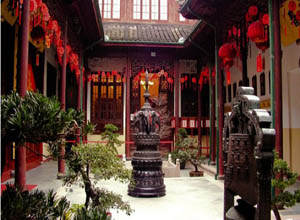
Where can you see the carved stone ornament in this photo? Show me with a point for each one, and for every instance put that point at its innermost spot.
(248, 143)
(146, 161)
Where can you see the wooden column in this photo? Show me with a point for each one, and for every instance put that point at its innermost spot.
(221, 124)
(278, 79)
(176, 92)
(212, 118)
(127, 128)
(199, 119)
(20, 162)
(61, 161)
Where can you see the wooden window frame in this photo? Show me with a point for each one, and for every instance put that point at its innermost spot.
(112, 6)
(150, 12)
(98, 106)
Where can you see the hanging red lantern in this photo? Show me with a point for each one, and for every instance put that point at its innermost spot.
(298, 15)
(265, 19)
(185, 78)
(292, 5)
(33, 6)
(37, 33)
(256, 32)
(194, 80)
(38, 3)
(45, 12)
(262, 45)
(68, 48)
(227, 51)
(253, 10)
(248, 17)
(60, 51)
(182, 80)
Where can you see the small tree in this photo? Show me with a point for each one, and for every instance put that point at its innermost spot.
(283, 177)
(34, 118)
(103, 162)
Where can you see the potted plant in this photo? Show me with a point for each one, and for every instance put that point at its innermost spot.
(196, 160)
(181, 145)
(283, 177)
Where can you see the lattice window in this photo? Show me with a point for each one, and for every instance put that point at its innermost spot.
(150, 9)
(107, 101)
(110, 9)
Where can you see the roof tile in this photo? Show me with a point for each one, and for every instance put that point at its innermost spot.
(132, 32)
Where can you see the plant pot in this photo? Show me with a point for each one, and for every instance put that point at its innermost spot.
(196, 173)
(182, 165)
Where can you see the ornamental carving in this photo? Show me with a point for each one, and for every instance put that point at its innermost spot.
(248, 141)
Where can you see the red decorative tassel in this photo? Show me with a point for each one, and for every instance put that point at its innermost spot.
(17, 9)
(37, 59)
(228, 77)
(259, 63)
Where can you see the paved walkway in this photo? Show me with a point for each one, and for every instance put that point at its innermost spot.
(186, 198)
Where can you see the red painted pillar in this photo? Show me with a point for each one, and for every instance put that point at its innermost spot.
(176, 92)
(128, 74)
(221, 123)
(20, 162)
(199, 120)
(277, 79)
(213, 121)
(61, 162)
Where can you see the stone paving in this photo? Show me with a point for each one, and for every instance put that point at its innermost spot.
(187, 198)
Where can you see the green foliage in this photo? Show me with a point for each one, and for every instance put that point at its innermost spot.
(88, 128)
(101, 161)
(112, 137)
(34, 118)
(91, 214)
(17, 204)
(283, 177)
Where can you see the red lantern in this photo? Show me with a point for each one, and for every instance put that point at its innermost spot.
(45, 12)
(227, 51)
(253, 10)
(262, 45)
(298, 15)
(60, 51)
(292, 5)
(103, 74)
(33, 6)
(256, 32)
(39, 3)
(248, 17)
(182, 80)
(265, 19)
(194, 80)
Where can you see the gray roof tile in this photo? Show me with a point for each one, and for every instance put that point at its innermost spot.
(132, 32)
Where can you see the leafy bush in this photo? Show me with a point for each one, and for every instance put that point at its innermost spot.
(101, 161)
(17, 204)
(35, 118)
